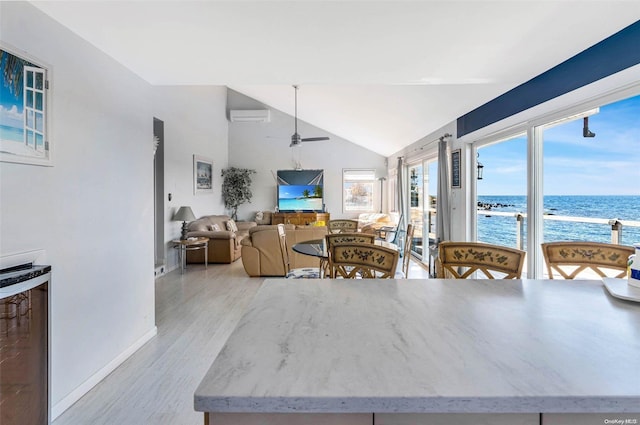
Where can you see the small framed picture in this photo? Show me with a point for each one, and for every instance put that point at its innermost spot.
(202, 175)
(455, 169)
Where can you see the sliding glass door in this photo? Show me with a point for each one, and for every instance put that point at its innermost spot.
(572, 177)
(502, 192)
(416, 206)
(423, 184)
(591, 175)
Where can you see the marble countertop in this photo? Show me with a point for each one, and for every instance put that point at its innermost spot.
(429, 346)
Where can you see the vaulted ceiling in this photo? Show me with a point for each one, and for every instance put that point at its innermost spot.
(381, 74)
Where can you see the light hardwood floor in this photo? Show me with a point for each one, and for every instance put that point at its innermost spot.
(195, 313)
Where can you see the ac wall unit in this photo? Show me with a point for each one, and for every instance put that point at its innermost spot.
(256, 115)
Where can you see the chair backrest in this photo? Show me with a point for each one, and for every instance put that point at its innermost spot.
(343, 226)
(406, 253)
(461, 259)
(367, 261)
(342, 238)
(282, 235)
(569, 259)
(334, 238)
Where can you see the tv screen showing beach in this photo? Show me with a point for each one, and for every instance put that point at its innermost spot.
(300, 197)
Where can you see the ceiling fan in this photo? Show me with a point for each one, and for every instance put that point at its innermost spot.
(296, 140)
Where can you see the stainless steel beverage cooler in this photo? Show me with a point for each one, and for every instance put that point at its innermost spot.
(24, 344)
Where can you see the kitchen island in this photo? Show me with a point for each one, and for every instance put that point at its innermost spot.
(408, 351)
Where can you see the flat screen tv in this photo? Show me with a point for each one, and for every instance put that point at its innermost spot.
(300, 190)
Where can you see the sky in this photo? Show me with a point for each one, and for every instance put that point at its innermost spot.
(293, 191)
(607, 164)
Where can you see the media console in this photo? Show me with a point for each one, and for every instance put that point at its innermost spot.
(299, 218)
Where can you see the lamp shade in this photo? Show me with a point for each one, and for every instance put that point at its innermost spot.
(184, 214)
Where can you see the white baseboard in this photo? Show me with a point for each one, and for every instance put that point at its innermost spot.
(87, 385)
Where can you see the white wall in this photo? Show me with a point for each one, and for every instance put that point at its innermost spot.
(194, 124)
(264, 147)
(92, 211)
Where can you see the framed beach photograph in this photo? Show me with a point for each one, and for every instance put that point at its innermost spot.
(24, 109)
(202, 175)
(455, 169)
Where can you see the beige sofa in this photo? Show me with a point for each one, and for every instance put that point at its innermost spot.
(261, 253)
(224, 245)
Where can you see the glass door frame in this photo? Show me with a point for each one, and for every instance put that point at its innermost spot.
(534, 129)
(424, 162)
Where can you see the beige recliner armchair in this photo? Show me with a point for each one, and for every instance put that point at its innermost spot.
(262, 255)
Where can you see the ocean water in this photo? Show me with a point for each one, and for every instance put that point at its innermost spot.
(9, 133)
(502, 230)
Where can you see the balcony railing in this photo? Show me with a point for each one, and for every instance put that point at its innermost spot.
(616, 226)
(519, 218)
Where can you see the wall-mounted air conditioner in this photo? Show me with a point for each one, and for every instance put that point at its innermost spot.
(255, 115)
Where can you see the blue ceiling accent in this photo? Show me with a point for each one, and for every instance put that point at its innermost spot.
(613, 54)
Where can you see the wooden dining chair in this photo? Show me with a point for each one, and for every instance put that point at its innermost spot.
(343, 226)
(366, 261)
(406, 253)
(342, 238)
(460, 260)
(301, 273)
(569, 259)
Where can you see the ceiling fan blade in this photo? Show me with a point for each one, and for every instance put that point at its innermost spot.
(314, 139)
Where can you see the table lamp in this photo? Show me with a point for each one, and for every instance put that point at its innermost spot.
(184, 214)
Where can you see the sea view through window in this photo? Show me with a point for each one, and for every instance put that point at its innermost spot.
(590, 177)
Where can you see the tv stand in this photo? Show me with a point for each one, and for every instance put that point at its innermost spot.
(299, 218)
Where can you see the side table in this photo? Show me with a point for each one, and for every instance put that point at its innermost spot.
(191, 244)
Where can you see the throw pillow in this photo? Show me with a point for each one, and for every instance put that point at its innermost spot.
(259, 216)
(214, 228)
(231, 226)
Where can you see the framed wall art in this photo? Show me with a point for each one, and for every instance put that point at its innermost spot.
(24, 109)
(202, 175)
(455, 168)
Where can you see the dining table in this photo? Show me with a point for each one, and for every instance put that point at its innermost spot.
(428, 351)
(318, 247)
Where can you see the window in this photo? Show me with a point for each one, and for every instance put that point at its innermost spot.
(24, 110)
(33, 107)
(358, 190)
(502, 193)
(588, 181)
